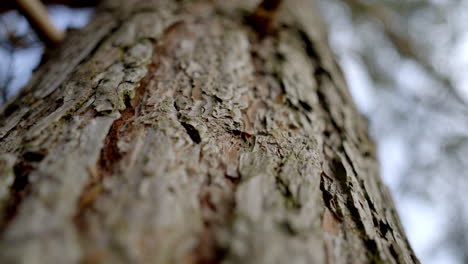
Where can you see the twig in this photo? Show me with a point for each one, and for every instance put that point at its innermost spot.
(36, 14)
(6, 6)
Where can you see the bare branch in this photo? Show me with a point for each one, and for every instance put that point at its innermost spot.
(36, 14)
(402, 42)
(262, 17)
(10, 5)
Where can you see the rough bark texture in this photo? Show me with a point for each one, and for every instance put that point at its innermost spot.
(171, 132)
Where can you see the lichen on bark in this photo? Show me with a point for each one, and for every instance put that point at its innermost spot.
(178, 134)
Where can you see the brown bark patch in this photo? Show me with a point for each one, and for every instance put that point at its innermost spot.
(263, 17)
(110, 155)
(330, 223)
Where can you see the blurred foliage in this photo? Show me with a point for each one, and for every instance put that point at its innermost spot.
(405, 61)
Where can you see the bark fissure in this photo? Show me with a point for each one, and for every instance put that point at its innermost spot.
(20, 187)
(110, 155)
(192, 132)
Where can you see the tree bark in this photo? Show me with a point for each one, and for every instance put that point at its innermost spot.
(172, 132)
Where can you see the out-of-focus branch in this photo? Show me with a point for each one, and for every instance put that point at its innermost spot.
(7, 5)
(36, 14)
(401, 41)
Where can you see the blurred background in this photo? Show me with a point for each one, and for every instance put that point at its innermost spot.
(406, 62)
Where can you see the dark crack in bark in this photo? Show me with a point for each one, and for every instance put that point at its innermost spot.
(111, 155)
(20, 187)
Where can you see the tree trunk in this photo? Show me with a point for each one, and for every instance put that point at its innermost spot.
(172, 132)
